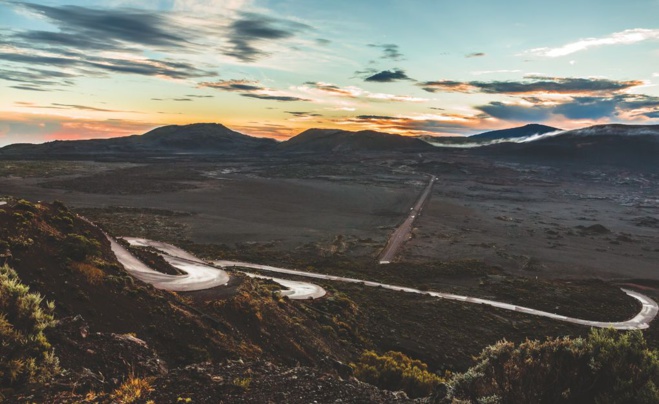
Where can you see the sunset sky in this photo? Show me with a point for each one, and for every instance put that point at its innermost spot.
(92, 69)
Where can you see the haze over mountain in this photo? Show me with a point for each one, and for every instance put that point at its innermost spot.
(520, 131)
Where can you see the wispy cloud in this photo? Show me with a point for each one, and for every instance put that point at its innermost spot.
(251, 29)
(475, 55)
(355, 93)
(389, 51)
(533, 85)
(626, 37)
(252, 89)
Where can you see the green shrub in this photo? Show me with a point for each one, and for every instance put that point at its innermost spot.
(607, 367)
(25, 354)
(77, 247)
(396, 371)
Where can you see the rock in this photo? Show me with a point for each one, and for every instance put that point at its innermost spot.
(593, 230)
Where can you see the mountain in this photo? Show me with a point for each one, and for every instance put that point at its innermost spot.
(520, 131)
(206, 138)
(621, 145)
(341, 141)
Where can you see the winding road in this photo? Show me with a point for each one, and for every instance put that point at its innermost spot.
(641, 321)
(201, 275)
(402, 233)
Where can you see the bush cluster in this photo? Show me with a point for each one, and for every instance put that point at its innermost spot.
(25, 354)
(607, 367)
(396, 371)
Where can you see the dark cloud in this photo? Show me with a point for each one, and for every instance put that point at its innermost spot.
(389, 51)
(331, 88)
(250, 89)
(284, 98)
(37, 77)
(323, 41)
(515, 112)
(303, 114)
(475, 55)
(651, 114)
(233, 85)
(447, 86)
(588, 107)
(81, 25)
(388, 76)
(28, 88)
(251, 29)
(376, 117)
(199, 96)
(81, 35)
(83, 107)
(533, 84)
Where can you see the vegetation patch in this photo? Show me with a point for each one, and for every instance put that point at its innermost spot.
(396, 371)
(26, 356)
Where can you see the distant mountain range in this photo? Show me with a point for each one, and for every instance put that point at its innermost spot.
(196, 138)
(624, 145)
(341, 141)
(520, 131)
(599, 144)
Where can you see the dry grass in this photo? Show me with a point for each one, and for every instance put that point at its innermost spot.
(94, 275)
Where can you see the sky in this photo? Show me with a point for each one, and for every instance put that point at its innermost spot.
(97, 69)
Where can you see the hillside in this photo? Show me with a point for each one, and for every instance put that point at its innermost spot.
(510, 133)
(200, 138)
(340, 141)
(112, 328)
(634, 146)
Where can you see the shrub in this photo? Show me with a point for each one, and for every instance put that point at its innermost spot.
(607, 367)
(25, 354)
(396, 371)
(78, 247)
(94, 275)
(133, 390)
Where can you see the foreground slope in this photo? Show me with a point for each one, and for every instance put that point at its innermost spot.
(112, 327)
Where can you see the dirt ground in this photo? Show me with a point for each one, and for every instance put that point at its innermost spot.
(542, 221)
(235, 208)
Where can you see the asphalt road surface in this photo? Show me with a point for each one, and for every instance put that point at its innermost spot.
(199, 275)
(639, 322)
(402, 233)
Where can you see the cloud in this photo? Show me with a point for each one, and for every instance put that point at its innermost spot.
(389, 51)
(97, 28)
(475, 55)
(354, 92)
(625, 37)
(417, 124)
(533, 85)
(251, 29)
(303, 114)
(534, 109)
(251, 89)
(388, 76)
(516, 112)
(233, 85)
(284, 98)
